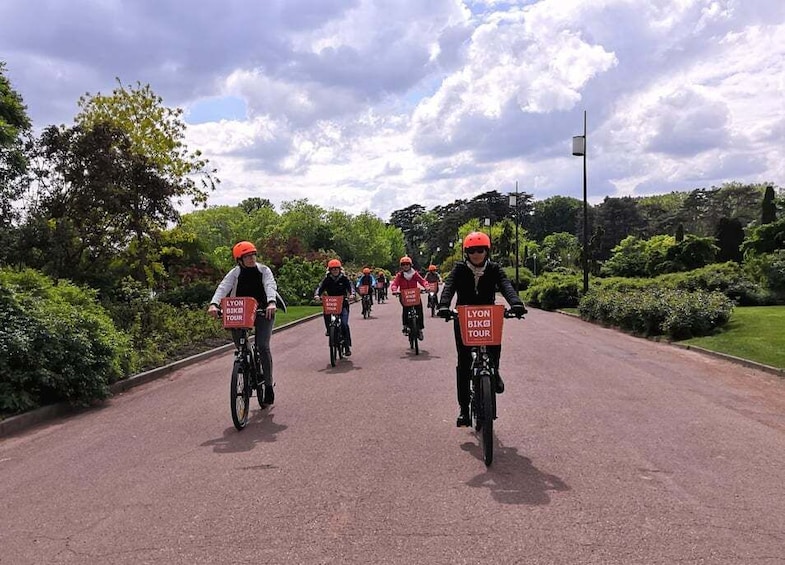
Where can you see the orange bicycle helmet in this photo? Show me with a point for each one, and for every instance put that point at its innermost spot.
(476, 239)
(431, 267)
(405, 260)
(366, 271)
(333, 263)
(243, 248)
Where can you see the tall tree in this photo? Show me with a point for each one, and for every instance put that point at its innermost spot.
(619, 218)
(14, 127)
(155, 132)
(556, 214)
(729, 237)
(768, 213)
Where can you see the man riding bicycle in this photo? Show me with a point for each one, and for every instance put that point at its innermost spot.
(475, 281)
(336, 283)
(432, 276)
(253, 279)
(407, 277)
(382, 283)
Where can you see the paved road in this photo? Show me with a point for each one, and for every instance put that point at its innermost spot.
(611, 449)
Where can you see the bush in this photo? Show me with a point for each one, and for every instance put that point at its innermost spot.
(676, 313)
(298, 278)
(57, 343)
(195, 294)
(553, 290)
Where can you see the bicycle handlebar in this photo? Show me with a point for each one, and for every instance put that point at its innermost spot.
(508, 313)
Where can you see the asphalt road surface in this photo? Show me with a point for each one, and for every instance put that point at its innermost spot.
(610, 449)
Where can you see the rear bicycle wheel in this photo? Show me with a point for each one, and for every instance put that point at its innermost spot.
(240, 395)
(258, 379)
(486, 414)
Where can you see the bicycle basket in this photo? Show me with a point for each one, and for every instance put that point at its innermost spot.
(238, 311)
(481, 325)
(363, 289)
(332, 304)
(379, 285)
(433, 287)
(410, 296)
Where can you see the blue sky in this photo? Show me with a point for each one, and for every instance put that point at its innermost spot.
(380, 104)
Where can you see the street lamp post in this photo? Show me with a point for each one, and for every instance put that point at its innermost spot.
(514, 206)
(579, 150)
(488, 225)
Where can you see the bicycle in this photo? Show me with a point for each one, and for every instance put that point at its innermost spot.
(239, 313)
(333, 306)
(379, 292)
(365, 296)
(433, 302)
(409, 298)
(481, 326)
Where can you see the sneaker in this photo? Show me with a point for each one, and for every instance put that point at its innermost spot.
(464, 420)
(347, 351)
(499, 384)
(269, 395)
(405, 330)
(420, 336)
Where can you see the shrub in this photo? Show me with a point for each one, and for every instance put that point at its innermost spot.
(553, 290)
(57, 343)
(298, 278)
(678, 314)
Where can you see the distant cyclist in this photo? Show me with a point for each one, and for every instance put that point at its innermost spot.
(336, 283)
(433, 277)
(475, 281)
(366, 279)
(253, 279)
(381, 286)
(407, 277)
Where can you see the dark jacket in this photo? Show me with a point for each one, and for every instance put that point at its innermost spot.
(341, 286)
(461, 282)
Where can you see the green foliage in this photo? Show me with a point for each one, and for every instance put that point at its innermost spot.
(675, 313)
(554, 290)
(58, 343)
(764, 239)
(635, 257)
(298, 278)
(196, 294)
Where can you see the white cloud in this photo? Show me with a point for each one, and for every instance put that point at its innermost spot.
(384, 103)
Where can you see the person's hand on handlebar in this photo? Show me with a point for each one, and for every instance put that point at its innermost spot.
(518, 310)
(444, 312)
(213, 311)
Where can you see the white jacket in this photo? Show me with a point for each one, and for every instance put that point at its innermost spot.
(228, 287)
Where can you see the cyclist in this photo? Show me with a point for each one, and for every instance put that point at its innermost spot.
(381, 292)
(407, 277)
(432, 276)
(250, 278)
(336, 283)
(367, 279)
(475, 281)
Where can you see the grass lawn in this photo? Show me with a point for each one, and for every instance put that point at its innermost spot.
(756, 333)
(295, 313)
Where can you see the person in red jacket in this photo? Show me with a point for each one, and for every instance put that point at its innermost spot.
(407, 277)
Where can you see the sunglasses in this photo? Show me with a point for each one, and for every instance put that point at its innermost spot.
(249, 255)
(406, 264)
(473, 250)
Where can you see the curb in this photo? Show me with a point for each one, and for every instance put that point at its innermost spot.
(26, 420)
(724, 356)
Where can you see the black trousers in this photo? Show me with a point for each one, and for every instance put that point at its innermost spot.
(420, 316)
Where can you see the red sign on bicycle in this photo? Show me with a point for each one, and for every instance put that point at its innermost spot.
(332, 304)
(363, 289)
(410, 296)
(238, 311)
(433, 287)
(481, 325)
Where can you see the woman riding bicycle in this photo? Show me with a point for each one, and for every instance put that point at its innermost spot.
(409, 278)
(253, 279)
(475, 281)
(433, 277)
(336, 283)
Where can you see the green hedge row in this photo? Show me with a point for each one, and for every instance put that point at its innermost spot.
(677, 314)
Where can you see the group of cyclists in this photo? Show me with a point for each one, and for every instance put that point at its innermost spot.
(473, 281)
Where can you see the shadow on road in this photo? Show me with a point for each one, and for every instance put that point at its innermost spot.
(343, 366)
(260, 429)
(512, 479)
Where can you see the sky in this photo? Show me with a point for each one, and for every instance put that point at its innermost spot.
(380, 104)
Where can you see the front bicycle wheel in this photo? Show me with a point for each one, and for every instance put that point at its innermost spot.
(240, 395)
(486, 415)
(414, 343)
(334, 344)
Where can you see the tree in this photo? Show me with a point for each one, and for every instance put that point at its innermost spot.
(555, 214)
(619, 218)
(156, 133)
(768, 212)
(729, 237)
(14, 128)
